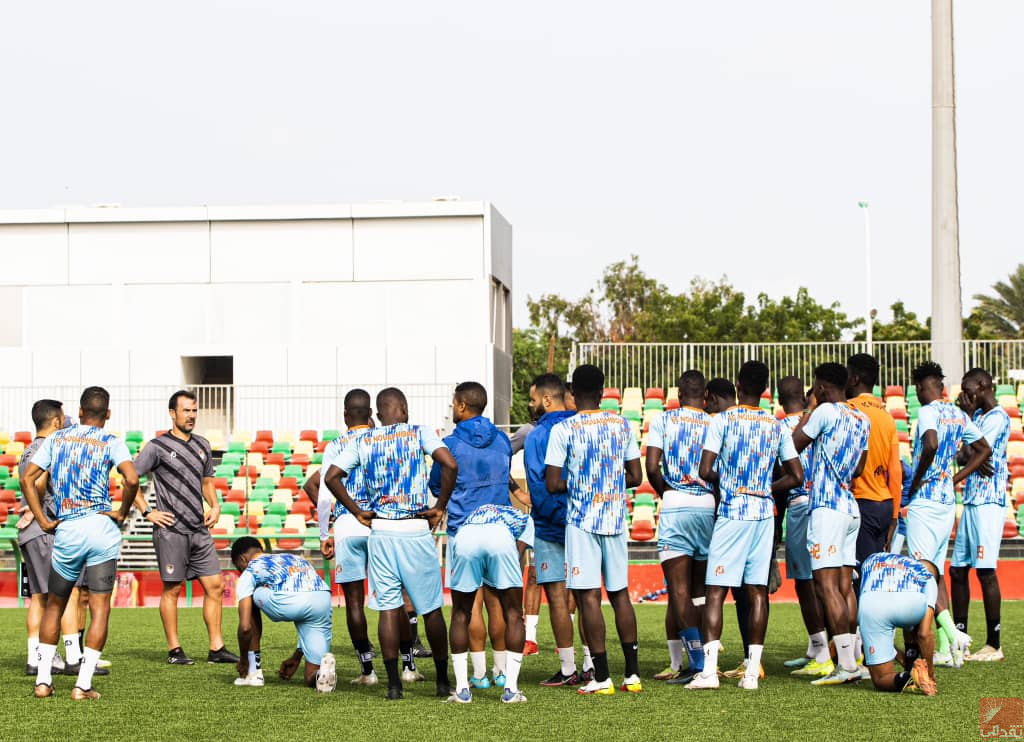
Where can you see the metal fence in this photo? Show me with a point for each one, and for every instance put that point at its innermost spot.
(228, 407)
(660, 364)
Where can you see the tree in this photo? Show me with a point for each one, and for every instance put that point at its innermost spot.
(904, 326)
(1002, 314)
(530, 357)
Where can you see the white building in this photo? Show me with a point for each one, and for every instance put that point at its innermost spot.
(278, 308)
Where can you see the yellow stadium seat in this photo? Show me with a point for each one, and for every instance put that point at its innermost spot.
(254, 459)
(226, 521)
(304, 447)
(216, 439)
(895, 403)
(282, 496)
(295, 520)
(270, 471)
(242, 436)
(1017, 487)
(1007, 400)
(286, 435)
(954, 392)
(632, 398)
(650, 415)
(254, 507)
(635, 427)
(1014, 449)
(240, 483)
(1016, 424)
(5, 437)
(905, 451)
(14, 448)
(312, 468)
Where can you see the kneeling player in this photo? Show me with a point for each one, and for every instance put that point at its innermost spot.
(286, 588)
(486, 552)
(898, 592)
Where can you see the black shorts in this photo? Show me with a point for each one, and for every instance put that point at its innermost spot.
(185, 556)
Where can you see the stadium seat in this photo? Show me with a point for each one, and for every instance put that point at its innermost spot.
(642, 531)
(611, 392)
(277, 508)
(309, 435)
(5, 437)
(645, 488)
(275, 459)
(271, 472)
(297, 467)
(282, 496)
(261, 495)
(900, 414)
(303, 448)
(261, 447)
(236, 447)
(264, 435)
(225, 470)
(257, 506)
(321, 447)
(8, 460)
(231, 507)
(291, 544)
(295, 520)
(272, 520)
(654, 392)
(610, 404)
(894, 391)
(23, 436)
(672, 404)
(252, 521)
(235, 496)
(221, 543)
(254, 458)
(654, 404)
(14, 448)
(303, 507)
(289, 483)
(282, 447)
(329, 435)
(895, 403)
(1010, 529)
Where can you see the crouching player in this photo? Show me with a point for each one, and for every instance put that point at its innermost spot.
(487, 551)
(286, 588)
(898, 592)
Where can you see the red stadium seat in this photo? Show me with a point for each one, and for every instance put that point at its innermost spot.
(645, 488)
(220, 543)
(252, 522)
(9, 496)
(1016, 470)
(299, 459)
(260, 447)
(672, 404)
(289, 483)
(780, 414)
(304, 506)
(899, 414)
(8, 460)
(220, 483)
(1009, 529)
(655, 392)
(289, 544)
(611, 392)
(1012, 411)
(249, 471)
(894, 391)
(1016, 435)
(309, 435)
(235, 496)
(265, 436)
(903, 435)
(277, 459)
(321, 446)
(23, 436)
(766, 394)
(642, 531)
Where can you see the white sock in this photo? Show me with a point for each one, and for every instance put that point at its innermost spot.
(254, 664)
(72, 654)
(818, 647)
(810, 647)
(479, 660)
(33, 648)
(754, 660)
(588, 661)
(844, 652)
(44, 663)
(567, 656)
(515, 663)
(89, 659)
(460, 666)
(858, 645)
(711, 657)
(499, 662)
(675, 653)
(531, 628)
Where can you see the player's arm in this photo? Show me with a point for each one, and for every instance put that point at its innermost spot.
(130, 485)
(981, 451)
(707, 469)
(449, 472)
(35, 503)
(555, 456)
(792, 475)
(246, 627)
(518, 494)
(929, 447)
(634, 473)
(652, 463)
(337, 488)
(860, 464)
(312, 488)
(210, 495)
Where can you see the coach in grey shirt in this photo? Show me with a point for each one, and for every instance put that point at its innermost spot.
(181, 466)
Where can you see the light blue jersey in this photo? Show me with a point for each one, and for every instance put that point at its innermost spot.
(840, 434)
(979, 490)
(79, 460)
(748, 441)
(279, 573)
(516, 521)
(952, 428)
(394, 467)
(594, 447)
(354, 481)
(680, 434)
(893, 573)
(806, 458)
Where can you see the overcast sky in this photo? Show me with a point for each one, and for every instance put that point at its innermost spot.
(710, 138)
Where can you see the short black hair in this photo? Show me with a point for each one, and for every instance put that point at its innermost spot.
(865, 366)
(927, 370)
(791, 389)
(983, 377)
(244, 545)
(692, 383)
(95, 402)
(753, 377)
(832, 373)
(587, 379)
(389, 396)
(719, 387)
(357, 400)
(551, 384)
(472, 394)
(45, 410)
(172, 403)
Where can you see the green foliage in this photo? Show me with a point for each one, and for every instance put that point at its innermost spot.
(530, 351)
(904, 326)
(1001, 314)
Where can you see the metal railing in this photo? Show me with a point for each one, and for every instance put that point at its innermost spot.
(660, 364)
(228, 407)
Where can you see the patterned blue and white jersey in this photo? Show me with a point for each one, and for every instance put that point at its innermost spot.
(748, 441)
(594, 446)
(952, 428)
(394, 468)
(354, 479)
(893, 573)
(806, 458)
(680, 434)
(979, 490)
(518, 523)
(281, 573)
(840, 434)
(79, 460)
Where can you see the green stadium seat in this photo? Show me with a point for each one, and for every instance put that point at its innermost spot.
(610, 404)
(292, 470)
(225, 470)
(236, 458)
(635, 415)
(7, 535)
(654, 404)
(281, 447)
(133, 447)
(134, 435)
(317, 458)
(12, 520)
(644, 499)
(330, 435)
(277, 508)
(264, 483)
(903, 426)
(261, 495)
(1008, 389)
(236, 447)
(270, 520)
(765, 404)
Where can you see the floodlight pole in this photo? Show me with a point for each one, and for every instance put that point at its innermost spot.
(947, 310)
(869, 315)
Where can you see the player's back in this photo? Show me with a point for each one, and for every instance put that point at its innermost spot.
(80, 460)
(950, 424)
(982, 490)
(840, 440)
(806, 458)
(749, 440)
(394, 469)
(680, 434)
(873, 483)
(515, 520)
(285, 573)
(893, 573)
(354, 480)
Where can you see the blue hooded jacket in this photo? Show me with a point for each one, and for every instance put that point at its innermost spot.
(484, 456)
(548, 510)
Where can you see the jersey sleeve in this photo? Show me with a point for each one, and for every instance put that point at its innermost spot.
(44, 456)
(119, 452)
(927, 419)
(208, 470)
(245, 586)
(787, 450)
(429, 442)
(558, 446)
(347, 460)
(527, 535)
(148, 459)
(821, 419)
(991, 426)
(716, 430)
(972, 432)
(632, 447)
(656, 433)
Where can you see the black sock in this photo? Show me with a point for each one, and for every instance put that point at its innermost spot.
(902, 679)
(962, 625)
(81, 640)
(993, 631)
(441, 671)
(394, 679)
(414, 624)
(600, 666)
(259, 659)
(910, 654)
(365, 655)
(408, 661)
(630, 650)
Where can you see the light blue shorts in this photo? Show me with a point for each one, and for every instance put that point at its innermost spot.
(406, 560)
(798, 557)
(880, 614)
(929, 526)
(484, 554)
(351, 554)
(832, 538)
(740, 552)
(84, 542)
(589, 557)
(979, 536)
(549, 561)
(685, 532)
(309, 611)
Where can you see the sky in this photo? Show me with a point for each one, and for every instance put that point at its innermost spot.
(709, 138)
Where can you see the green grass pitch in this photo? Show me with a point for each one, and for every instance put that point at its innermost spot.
(146, 699)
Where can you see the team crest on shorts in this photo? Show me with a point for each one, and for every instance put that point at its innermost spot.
(719, 570)
(816, 551)
(169, 569)
(981, 551)
(543, 566)
(575, 571)
(831, 549)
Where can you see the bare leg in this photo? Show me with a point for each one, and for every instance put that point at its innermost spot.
(558, 609)
(496, 618)
(169, 613)
(213, 589)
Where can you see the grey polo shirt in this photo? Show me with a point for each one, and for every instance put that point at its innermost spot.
(178, 468)
(32, 530)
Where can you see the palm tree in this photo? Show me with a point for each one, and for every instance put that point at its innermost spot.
(1004, 312)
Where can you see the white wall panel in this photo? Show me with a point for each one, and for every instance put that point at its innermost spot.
(418, 249)
(33, 254)
(163, 316)
(315, 250)
(434, 309)
(73, 316)
(362, 363)
(156, 252)
(410, 363)
(257, 314)
(53, 366)
(312, 364)
(108, 367)
(15, 367)
(261, 365)
(155, 366)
